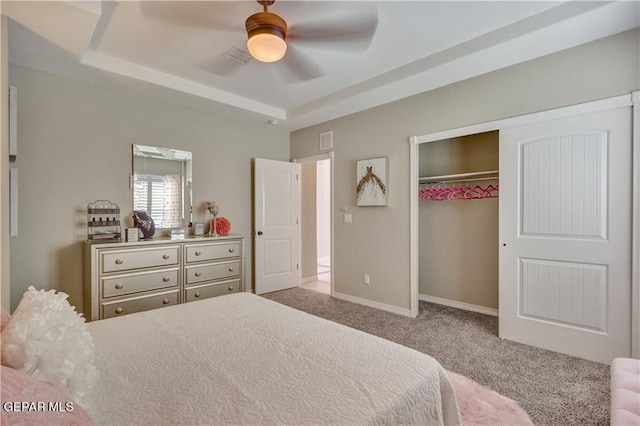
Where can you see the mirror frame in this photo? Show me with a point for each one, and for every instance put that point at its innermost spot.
(170, 154)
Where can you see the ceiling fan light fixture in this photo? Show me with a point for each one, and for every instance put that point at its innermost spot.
(266, 32)
(267, 47)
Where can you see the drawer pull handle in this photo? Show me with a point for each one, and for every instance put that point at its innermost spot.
(197, 274)
(230, 288)
(165, 279)
(230, 268)
(118, 261)
(119, 311)
(196, 295)
(231, 250)
(165, 256)
(198, 253)
(119, 286)
(165, 301)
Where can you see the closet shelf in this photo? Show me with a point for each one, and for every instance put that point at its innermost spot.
(489, 174)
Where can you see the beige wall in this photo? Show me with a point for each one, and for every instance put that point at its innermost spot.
(75, 148)
(459, 239)
(377, 242)
(5, 297)
(308, 222)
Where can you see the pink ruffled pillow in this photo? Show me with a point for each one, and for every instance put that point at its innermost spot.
(28, 401)
(47, 339)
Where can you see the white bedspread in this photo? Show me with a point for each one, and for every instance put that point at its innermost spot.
(242, 359)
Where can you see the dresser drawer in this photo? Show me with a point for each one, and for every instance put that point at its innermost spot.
(136, 282)
(138, 304)
(212, 290)
(213, 251)
(213, 271)
(115, 261)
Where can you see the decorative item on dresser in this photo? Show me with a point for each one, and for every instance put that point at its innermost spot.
(198, 229)
(103, 220)
(144, 223)
(214, 209)
(122, 278)
(132, 235)
(221, 225)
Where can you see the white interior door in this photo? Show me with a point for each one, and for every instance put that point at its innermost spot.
(565, 234)
(276, 225)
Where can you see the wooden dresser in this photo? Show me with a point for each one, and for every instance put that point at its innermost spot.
(122, 278)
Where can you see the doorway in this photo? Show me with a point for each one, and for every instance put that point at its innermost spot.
(458, 222)
(316, 240)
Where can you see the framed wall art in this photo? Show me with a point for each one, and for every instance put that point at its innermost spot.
(372, 177)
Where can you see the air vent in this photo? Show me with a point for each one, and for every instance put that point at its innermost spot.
(326, 140)
(238, 54)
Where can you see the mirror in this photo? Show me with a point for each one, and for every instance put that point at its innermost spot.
(162, 185)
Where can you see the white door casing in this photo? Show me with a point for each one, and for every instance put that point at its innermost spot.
(275, 225)
(565, 234)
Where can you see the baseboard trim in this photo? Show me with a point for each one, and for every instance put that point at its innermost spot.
(459, 305)
(372, 304)
(308, 280)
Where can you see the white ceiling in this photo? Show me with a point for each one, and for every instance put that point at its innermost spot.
(175, 50)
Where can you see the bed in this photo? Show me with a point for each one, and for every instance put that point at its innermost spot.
(243, 359)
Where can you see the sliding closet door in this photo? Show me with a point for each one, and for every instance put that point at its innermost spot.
(565, 234)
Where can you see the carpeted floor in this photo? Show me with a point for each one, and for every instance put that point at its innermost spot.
(554, 389)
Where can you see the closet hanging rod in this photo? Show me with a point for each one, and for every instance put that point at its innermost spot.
(434, 182)
(460, 175)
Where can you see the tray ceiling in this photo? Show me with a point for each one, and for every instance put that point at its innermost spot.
(177, 51)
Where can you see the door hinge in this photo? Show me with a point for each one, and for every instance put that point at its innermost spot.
(296, 177)
(297, 266)
(296, 221)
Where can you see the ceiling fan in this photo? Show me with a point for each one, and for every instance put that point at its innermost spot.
(268, 36)
(267, 33)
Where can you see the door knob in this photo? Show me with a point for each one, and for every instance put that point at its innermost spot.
(259, 232)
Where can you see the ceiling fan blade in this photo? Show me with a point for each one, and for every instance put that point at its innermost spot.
(296, 67)
(197, 14)
(350, 33)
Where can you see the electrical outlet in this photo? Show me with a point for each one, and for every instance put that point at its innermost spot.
(347, 218)
(365, 279)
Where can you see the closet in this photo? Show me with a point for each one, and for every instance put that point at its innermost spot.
(558, 247)
(458, 222)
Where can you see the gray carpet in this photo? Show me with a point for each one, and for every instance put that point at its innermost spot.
(554, 389)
